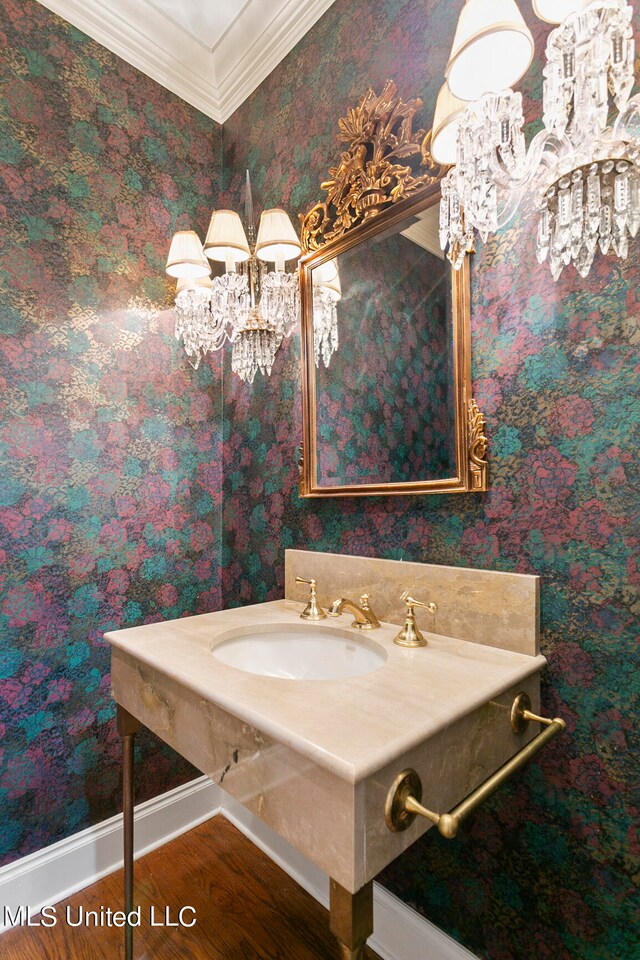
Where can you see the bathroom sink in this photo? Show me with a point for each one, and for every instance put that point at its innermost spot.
(299, 652)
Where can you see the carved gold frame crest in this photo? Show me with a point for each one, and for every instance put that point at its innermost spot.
(373, 172)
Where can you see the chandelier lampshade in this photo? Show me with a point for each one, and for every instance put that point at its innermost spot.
(189, 283)
(326, 273)
(334, 286)
(445, 126)
(327, 276)
(492, 49)
(249, 306)
(226, 241)
(555, 11)
(277, 240)
(327, 292)
(186, 258)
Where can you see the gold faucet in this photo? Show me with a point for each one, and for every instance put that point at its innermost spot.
(365, 618)
(312, 611)
(410, 635)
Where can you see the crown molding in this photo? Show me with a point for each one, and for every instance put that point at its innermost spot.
(267, 47)
(150, 41)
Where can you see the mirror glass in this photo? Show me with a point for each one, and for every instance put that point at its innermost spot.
(383, 351)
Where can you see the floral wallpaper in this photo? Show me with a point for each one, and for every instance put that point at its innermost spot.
(110, 445)
(383, 401)
(548, 870)
(133, 489)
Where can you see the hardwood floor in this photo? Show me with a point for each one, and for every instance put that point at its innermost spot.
(246, 907)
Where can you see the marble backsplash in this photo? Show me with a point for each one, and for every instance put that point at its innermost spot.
(481, 606)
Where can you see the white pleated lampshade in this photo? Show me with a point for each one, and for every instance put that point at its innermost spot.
(188, 283)
(226, 240)
(555, 11)
(277, 239)
(186, 257)
(492, 49)
(326, 275)
(445, 126)
(334, 285)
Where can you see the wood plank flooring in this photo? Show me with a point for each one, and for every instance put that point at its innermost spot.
(247, 908)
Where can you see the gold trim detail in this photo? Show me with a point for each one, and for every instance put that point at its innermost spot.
(478, 466)
(404, 799)
(371, 174)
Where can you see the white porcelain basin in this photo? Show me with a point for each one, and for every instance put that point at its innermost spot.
(304, 652)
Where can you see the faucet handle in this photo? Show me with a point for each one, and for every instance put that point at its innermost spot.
(410, 602)
(410, 635)
(312, 611)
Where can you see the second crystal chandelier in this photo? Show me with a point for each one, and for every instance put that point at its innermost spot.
(583, 172)
(248, 306)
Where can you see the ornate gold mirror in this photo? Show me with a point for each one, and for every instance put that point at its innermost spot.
(386, 342)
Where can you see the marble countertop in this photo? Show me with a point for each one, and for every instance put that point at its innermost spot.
(353, 726)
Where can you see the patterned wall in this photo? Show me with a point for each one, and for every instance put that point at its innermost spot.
(110, 462)
(548, 869)
(111, 473)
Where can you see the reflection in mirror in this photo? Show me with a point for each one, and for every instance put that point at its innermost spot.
(383, 349)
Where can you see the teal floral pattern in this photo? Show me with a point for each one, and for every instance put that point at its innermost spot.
(548, 870)
(110, 446)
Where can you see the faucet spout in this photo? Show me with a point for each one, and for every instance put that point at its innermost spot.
(364, 617)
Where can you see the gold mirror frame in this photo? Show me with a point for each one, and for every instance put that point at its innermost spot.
(369, 192)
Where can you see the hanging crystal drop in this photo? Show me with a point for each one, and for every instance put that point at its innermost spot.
(633, 219)
(563, 222)
(193, 317)
(280, 302)
(254, 347)
(577, 213)
(593, 201)
(606, 219)
(544, 233)
(621, 197)
(325, 324)
(606, 211)
(584, 260)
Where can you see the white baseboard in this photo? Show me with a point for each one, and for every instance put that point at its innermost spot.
(400, 933)
(53, 874)
(311, 878)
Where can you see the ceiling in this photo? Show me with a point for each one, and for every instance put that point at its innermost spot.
(212, 53)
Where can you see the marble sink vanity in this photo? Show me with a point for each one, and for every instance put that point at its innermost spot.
(316, 756)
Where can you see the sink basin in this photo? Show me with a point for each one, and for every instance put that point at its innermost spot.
(299, 652)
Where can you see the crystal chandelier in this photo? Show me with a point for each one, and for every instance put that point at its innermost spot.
(250, 307)
(327, 293)
(583, 171)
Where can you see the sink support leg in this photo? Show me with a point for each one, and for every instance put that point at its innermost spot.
(128, 726)
(351, 919)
